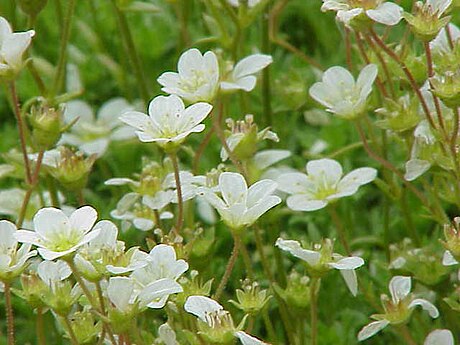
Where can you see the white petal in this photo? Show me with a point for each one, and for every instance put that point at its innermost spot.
(50, 222)
(351, 280)
(256, 211)
(448, 259)
(440, 337)
(356, 178)
(366, 78)
(326, 168)
(304, 202)
(260, 190)
(309, 256)
(167, 334)
(112, 109)
(14, 46)
(158, 290)
(200, 306)
(246, 339)
(387, 13)
(233, 188)
(251, 65)
(266, 158)
(83, 219)
(25, 236)
(119, 181)
(7, 239)
(136, 119)
(293, 183)
(416, 168)
(347, 16)
(119, 291)
(348, 263)
(399, 288)
(193, 115)
(371, 329)
(426, 305)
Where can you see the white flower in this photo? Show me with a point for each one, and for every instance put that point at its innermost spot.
(440, 337)
(214, 316)
(12, 48)
(12, 260)
(322, 184)
(239, 206)
(57, 235)
(197, 78)
(387, 13)
(242, 75)
(52, 273)
(92, 134)
(398, 309)
(168, 120)
(323, 260)
(122, 292)
(339, 92)
(160, 263)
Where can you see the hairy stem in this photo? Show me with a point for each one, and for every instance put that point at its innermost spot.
(229, 268)
(180, 201)
(314, 311)
(9, 313)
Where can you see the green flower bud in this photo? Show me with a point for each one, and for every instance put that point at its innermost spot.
(46, 124)
(61, 297)
(32, 288)
(452, 235)
(447, 88)
(219, 329)
(427, 21)
(297, 292)
(85, 327)
(251, 299)
(32, 7)
(73, 169)
(399, 116)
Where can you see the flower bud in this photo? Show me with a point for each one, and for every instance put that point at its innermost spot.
(452, 235)
(32, 7)
(447, 88)
(297, 292)
(84, 327)
(73, 169)
(46, 123)
(399, 116)
(251, 299)
(218, 328)
(427, 21)
(32, 288)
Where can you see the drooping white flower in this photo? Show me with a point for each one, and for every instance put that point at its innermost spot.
(93, 134)
(12, 260)
(322, 259)
(440, 337)
(161, 263)
(341, 94)
(398, 309)
(197, 79)
(322, 184)
(239, 205)
(57, 235)
(387, 13)
(132, 297)
(168, 122)
(12, 48)
(215, 317)
(242, 76)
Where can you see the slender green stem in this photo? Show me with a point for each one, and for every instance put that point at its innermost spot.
(266, 90)
(408, 218)
(73, 337)
(180, 200)
(41, 339)
(131, 51)
(339, 227)
(32, 185)
(21, 129)
(229, 268)
(82, 284)
(404, 331)
(314, 288)
(200, 150)
(65, 36)
(9, 313)
(247, 261)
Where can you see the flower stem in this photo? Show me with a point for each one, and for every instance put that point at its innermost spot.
(229, 268)
(9, 314)
(131, 51)
(180, 201)
(22, 137)
(314, 286)
(406, 335)
(340, 229)
(65, 36)
(82, 284)
(200, 150)
(70, 330)
(41, 339)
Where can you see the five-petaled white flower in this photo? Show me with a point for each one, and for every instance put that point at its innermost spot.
(57, 235)
(168, 122)
(242, 77)
(12, 48)
(239, 205)
(197, 78)
(322, 259)
(398, 309)
(92, 134)
(322, 184)
(387, 13)
(161, 263)
(213, 315)
(440, 337)
(341, 94)
(12, 260)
